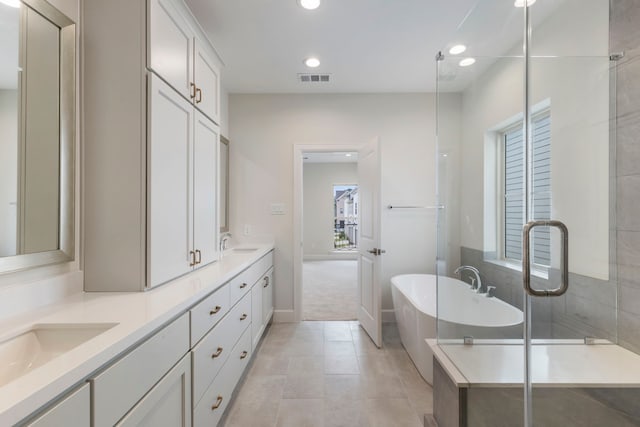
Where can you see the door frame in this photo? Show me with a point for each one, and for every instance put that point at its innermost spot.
(298, 167)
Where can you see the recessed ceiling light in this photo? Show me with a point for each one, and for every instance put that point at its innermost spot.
(11, 3)
(521, 3)
(309, 4)
(466, 62)
(348, 155)
(457, 49)
(312, 62)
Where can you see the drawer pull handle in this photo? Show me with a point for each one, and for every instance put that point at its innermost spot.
(199, 256)
(243, 355)
(244, 316)
(244, 285)
(217, 353)
(193, 258)
(193, 93)
(199, 99)
(217, 404)
(266, 282)
(215, 310)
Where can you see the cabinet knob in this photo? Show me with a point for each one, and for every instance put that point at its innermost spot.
(244, 316)
(215, 310)
(244, 285)
(243, 355)
(217, 353)
(217, 404)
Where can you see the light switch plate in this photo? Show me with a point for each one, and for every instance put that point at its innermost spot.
(277, 209)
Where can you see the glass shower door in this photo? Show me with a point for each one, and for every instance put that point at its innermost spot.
(570, 299)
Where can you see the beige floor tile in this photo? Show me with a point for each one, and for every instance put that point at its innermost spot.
(341, 365)
(338, 334)
(257, 402)
(304, 387)
(383, 387)
(390, 412)
(339, 348)
(343, 387)
(267, 365)
(301, 413)
(305, 347)
(344, 413)
(306, 365)
(420, 394)
(376, 364)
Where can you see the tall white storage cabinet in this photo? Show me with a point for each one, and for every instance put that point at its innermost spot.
(151, 102)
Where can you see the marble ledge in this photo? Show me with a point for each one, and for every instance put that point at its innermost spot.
(553, 365)
(137, 314)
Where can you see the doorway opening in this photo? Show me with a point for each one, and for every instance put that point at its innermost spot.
(330, 205)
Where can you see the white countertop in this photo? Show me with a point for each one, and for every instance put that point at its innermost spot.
(553, 365)
(137, 315)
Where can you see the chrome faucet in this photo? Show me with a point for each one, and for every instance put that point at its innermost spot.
(476, 283)
(224, 238)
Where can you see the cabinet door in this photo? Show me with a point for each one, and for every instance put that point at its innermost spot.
(71, 411)
(256, 313)
(207, 79)
(205, 185)
(169, 191)
(170, 47)
(168, 404)
(267, 297)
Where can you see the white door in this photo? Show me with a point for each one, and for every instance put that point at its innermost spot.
(207, 79)
(170, 226)
(205, 161)
(369, 251)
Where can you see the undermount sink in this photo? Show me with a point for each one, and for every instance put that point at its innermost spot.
(41, 344)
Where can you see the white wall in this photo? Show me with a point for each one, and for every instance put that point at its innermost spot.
(39, 286)
(224, 112)
(578, 90)
(8, 170)
(263, 131)
(318, 220)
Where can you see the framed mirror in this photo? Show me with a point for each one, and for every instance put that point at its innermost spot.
(37, 135)
(224, 184)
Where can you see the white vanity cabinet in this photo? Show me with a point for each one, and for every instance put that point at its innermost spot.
(181, 58)
(267, 297)
(118, 389)
(150, 169)
(72, 410)
(182, 153)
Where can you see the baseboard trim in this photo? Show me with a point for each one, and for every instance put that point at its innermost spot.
(283, 316)
(331, 256)
(388, 316)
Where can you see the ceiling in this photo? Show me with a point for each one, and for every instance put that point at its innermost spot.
(330, 157)
(368, 46)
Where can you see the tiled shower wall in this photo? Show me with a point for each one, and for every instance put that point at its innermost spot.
(593, 307)
(625, 36)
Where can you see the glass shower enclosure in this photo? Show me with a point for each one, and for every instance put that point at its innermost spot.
(526, 233)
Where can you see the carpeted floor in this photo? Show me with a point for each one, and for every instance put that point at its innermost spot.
(329, 290)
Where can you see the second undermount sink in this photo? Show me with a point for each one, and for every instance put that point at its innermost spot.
(41, 344)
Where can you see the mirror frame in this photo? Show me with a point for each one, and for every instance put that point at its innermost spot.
(224, 228)
(66, 225)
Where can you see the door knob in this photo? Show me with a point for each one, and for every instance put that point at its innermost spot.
(376, 251)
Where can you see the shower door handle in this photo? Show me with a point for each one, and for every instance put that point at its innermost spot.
(526, 259)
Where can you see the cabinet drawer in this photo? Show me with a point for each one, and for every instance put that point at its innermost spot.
(116, 390)
(208, 312)
(217, 397)
(242, 283)
(168, 404)
(73, 410)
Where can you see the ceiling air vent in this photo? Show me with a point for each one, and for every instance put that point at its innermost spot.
(314, 78)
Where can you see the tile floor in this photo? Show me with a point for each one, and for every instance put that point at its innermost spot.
(329, 374)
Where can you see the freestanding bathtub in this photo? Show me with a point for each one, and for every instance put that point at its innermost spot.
(461, 311)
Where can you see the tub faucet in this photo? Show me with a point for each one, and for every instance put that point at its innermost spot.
(476, 283)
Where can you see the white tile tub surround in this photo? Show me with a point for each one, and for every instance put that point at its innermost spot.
(462, 312)
(137, 315)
